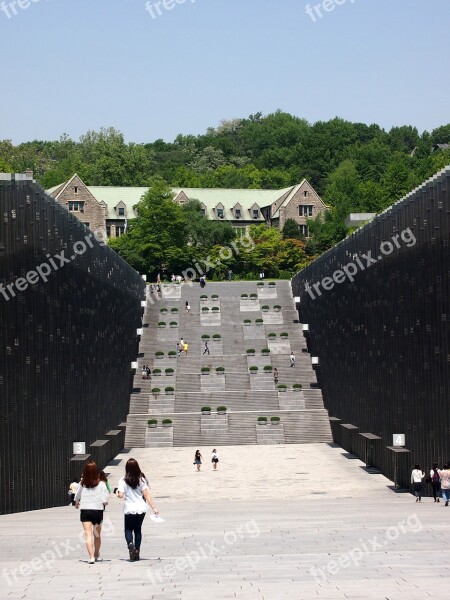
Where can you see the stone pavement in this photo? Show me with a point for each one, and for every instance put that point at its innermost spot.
(273, 523)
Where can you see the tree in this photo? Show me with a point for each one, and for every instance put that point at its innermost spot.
(291, 230)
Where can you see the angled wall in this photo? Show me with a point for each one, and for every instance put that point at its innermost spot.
(66, 345)
(383, 340)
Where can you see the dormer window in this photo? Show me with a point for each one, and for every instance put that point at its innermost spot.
(121, 212)
(255, 213)
(237, 213)
(203, 211)
(220, 213)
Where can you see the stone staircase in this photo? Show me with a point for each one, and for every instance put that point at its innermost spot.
(247, 393)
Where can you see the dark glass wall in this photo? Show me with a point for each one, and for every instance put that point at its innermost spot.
(66, 345)
(383, 339)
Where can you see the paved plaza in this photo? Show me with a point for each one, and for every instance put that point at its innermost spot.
(286, 522)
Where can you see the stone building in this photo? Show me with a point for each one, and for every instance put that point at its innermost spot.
(112, 207)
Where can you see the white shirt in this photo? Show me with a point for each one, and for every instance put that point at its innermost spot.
(417, 475)
(134, 501)
(92, 498)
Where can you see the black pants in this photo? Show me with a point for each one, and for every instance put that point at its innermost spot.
(436, 489)
(133, 523)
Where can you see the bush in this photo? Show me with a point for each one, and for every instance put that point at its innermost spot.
(156, 371)
(297, 386)
(214, 297)
(253, 296)
(244, 296)
(205, 336)
(265, 307)
(284, 334)
(272, 335)
(215, 309)
(167, 422)
(282, 387)
(222, 409)
(277, 307)
(156, 390)
(275, 419)
(272, 283)
(203, 297)
(262, 419)
(162, 324)
(169, 371)
(216, 336)
(265, 351)
(159, 353)
(163, 310)
(247, 322)
(254, 369)
(251, 351)
(152, 422)
(169, 389)
(259, 321)
(205, 309)
(205, 369)
(206, 409)
(174, 310)
(260, 284)
(267, 368)
(173, 323)
(172, 353)
(220, 370)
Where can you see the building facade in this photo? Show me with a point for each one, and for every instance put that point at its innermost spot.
(112, 207)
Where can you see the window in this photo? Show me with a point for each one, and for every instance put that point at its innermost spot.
(108, 231)
(304, 230)
(220, 213)
(87, 224)
(306, 210)
(120, 230)
(121, 212)
(305, 193)
(203, 211)
(76, 206)
(75, 190)
(255, 213)
(237, 213)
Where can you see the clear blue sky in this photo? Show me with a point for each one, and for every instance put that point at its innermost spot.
(73, 65)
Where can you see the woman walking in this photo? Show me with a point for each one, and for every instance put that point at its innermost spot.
(275, 376)
(435, 480)
(214, 459)
(187, 307)
(445, 483)
(91, 498)
(134, 488)
(198, 459)
(417, 476)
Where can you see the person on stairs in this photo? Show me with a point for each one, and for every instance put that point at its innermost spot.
(206, 350)
(292, 359)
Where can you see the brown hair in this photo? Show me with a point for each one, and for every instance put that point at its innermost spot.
(91, 477)
(133, 473)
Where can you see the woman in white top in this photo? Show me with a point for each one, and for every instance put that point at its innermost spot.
(214, 459)
(134, 488)
(91, 498)
(417, 476)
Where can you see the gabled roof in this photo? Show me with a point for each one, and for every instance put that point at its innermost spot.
(291, 194)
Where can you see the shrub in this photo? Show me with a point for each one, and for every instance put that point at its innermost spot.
(214, 297)
(216, 336)
(266, 307)
(215, 309)
(253, 296)
(205, 309)
(253, 369)
(169, 371)
(275, 419)
(251, 351)
(220, 370)
(267, 368)
(159, 353)
(277, 307)
(272, 283)
(282, 387)
(169, 389)
(221, 409)
(272, 335)
(265, 351)
(259, 321)
(163, 310)
(203, 297)
(152, 422)
(162, 324)
(174, 310)
(156, 390)
(244, 296)
(260, 284)
(156, 371)
(297, 386)
(167, 422)
(284, 334)
(173, 323)
(172, 353)
(206, 409)
(205, 336)
(262, 419)
(247, 322)
(205, 369)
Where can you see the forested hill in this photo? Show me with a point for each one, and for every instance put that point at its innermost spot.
(355, 167)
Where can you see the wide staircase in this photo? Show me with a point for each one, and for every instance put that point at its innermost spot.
(251, 329)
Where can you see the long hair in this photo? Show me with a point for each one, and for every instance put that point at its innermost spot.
(133, 473)
(91, 476)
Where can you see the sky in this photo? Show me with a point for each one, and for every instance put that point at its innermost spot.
(159, 68)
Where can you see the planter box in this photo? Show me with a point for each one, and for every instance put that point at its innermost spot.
(167, 424)
(206, 412)
(153, 426)
(221, 412)
(170, 393)
(159, 357)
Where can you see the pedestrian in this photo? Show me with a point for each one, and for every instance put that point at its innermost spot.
(214, 459)
(435, 480)
(178, 349)
(172, 278)
(230, 275)
(275, 375)
(158, 278)
(206, 350)
(202, 282)
(134, 488)
(103, 478)
(292, 359)
(185, 348)
(144, 372)
(445, 483)
(198, 459)
(417, 476)
(149, 372)
(91, 498)
(187, 307)
(73, 489)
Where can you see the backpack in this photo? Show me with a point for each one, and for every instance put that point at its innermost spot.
(435, 478)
